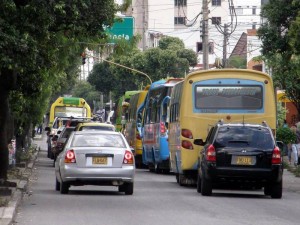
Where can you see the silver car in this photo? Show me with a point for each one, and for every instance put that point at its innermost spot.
(95, 158)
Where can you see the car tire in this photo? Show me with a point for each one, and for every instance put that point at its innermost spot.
(276, 190)
(57, 185)
(64, 188)
(267, 189)
(206, 187)
(128, 188)
(177, 177)
(199, 184)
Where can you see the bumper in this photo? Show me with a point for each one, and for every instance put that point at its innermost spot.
(98, 176)
(260, 175)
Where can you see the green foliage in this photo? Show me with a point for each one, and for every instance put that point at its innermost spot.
(281, 113)
(171, 43)
(286, 135)
(237, 62)
(84, 89)
(280, 38)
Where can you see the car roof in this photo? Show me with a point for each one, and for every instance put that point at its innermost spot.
(94, 124)
(96, 132)
(220, 124)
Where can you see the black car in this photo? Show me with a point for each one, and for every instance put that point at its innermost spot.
(240, 155)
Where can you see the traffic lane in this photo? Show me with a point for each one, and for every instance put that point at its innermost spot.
(157, 199)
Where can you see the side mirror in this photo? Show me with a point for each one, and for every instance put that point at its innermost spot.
(47, 129)
(199, 142)
(58, 132)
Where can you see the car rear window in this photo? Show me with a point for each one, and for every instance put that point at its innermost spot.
(256, 137)
(98, 140)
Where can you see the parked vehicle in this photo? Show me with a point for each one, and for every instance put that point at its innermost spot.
(95, 158)
(240, 155)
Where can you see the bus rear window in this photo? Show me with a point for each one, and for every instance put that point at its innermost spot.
(229, 97)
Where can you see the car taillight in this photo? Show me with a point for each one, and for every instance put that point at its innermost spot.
(276, 156)
(187, 133)
(162, 128)
(187, 144)
(128, 157)
(211, 154)
(70, 156)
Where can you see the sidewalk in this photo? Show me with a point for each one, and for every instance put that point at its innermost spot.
(8, 213)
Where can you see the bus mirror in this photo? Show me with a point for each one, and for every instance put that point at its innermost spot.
(199, 142)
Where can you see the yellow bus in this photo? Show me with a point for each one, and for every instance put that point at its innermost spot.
(131, 132)
(204, 98)
(69, 107)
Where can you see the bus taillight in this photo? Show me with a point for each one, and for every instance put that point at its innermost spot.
(187, 144)
(187, 133)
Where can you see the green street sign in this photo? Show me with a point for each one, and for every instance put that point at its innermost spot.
(121, 29)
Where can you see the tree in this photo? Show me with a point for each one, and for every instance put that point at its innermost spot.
(38, 43)
(280, 38)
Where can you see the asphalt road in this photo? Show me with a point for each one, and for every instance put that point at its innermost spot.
(157, 199)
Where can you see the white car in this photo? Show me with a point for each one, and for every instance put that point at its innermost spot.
(95, 158)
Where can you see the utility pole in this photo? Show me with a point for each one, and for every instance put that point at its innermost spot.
(144, 24)
(225, 45)
(205, 34)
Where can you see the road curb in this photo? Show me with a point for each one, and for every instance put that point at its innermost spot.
(8, 213)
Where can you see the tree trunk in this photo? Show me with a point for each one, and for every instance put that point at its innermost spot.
(7, 78)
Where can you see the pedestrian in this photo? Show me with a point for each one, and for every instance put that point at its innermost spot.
(298, 142)
(295, 145)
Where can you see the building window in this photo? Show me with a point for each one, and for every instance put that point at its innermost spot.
(253, 11)
(239, 10)
(254, 25)
(180, 2)
(179, 20)
(211, 47)
(199, 47)
(216, 2)
(216, 20)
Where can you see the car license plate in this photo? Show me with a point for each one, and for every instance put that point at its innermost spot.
(243, 160)
(100, 160)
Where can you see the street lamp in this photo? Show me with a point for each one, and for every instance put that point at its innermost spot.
(137, 71)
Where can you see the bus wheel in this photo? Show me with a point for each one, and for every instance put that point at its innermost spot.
(177, 177)
(181, 179)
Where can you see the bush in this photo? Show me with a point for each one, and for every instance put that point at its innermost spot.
(286, 135)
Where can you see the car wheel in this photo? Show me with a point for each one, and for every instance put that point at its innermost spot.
(57, 185)
(128, 188)
(199, 184)
(206, 187)
(267, 189)
(276, 190)
(64, 188)
(177, 177)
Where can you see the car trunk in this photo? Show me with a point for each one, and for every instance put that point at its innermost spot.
(99, 157)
